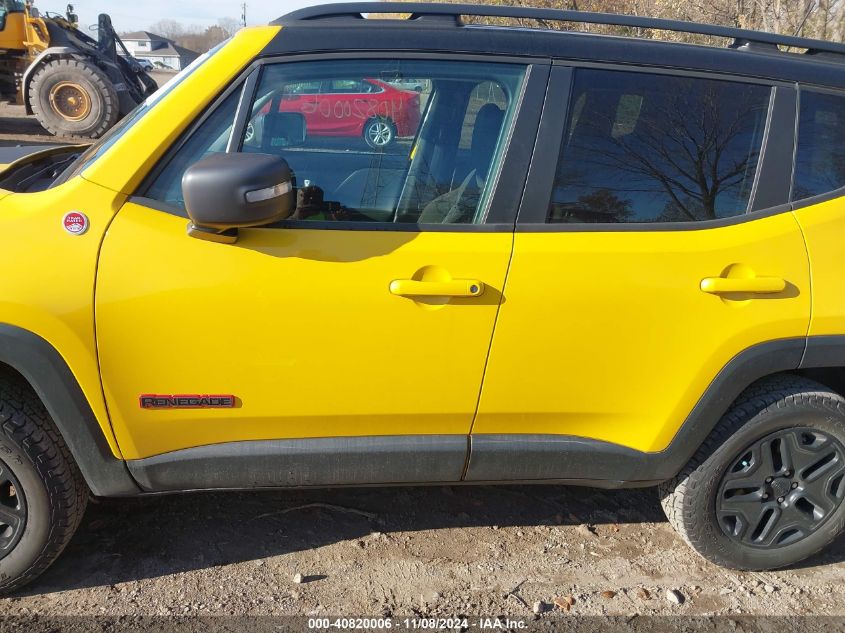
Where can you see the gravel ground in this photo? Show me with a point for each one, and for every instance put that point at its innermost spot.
(18, 129)
(408, 551)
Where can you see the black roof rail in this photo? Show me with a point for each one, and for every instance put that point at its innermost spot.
(741, 38)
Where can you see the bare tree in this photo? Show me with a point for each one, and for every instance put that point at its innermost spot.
(230, 26)
(822, 19)
(171, 29)
(193, 37)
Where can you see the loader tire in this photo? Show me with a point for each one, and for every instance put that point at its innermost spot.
(74, 99)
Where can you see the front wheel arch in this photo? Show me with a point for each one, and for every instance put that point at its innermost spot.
(49, 376)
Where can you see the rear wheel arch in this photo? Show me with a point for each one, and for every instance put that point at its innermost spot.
(819, 358)
(748, 367)
(40, 365)
(738, 501)
(824, 361)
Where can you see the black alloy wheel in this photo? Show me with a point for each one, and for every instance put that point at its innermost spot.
(782, 488)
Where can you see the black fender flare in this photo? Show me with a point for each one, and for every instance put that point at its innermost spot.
(48, 374)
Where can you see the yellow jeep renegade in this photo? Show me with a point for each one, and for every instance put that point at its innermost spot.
(339, 250)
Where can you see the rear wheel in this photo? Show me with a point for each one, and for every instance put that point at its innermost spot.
(766, 489)
(73, 98)
(42, 494)
(379, 132)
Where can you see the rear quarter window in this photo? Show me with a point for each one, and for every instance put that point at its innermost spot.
(820, 157)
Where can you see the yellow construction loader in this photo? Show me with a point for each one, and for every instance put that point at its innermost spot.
(75, 85)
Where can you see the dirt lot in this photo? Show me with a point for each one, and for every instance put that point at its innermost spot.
(442, 551)
(18, 129)
(406, 551)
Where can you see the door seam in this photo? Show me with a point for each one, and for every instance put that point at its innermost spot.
(507, 275)
(810, 281)
(96, 324)
(487, 357)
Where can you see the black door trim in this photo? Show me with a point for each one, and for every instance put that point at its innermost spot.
(543, 167)
(773, 181)
(499, 458)
(383, 460)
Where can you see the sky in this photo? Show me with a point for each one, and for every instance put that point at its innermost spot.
(128, 15)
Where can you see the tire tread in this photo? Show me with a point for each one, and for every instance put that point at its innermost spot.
(25, 422)
(111, 106)
(773, 393)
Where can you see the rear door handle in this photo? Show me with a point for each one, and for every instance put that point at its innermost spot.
(453, 288)
(751, 285)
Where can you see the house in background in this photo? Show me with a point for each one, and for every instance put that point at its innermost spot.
(158, 49)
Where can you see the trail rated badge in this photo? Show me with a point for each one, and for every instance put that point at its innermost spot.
(75, 223)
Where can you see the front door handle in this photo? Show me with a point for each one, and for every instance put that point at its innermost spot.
(453, 288)
(751, 285)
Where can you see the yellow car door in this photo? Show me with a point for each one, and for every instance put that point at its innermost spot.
(659, 258)
(345, 344)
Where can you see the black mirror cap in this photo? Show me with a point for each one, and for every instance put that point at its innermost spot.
(230, 191)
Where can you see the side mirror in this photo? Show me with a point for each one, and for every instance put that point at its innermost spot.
(225, 192)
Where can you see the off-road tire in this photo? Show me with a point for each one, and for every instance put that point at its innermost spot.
(769, 406)
(379, 133)
(104, 105)
(53, 488)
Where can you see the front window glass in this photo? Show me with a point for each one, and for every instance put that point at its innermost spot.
(387, 140)
(210, 138)
(370, 141)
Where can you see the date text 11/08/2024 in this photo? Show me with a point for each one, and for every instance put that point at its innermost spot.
(435, 624)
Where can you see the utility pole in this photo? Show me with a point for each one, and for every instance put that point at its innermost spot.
(243, 14)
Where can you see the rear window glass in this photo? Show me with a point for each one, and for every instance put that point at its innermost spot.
(644, 147)
(820, 159)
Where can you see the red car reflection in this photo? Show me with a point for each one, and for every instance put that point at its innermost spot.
(367, 108)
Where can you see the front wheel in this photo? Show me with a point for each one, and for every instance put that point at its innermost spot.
(765, 490)
(379, 133)
(42, 493)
